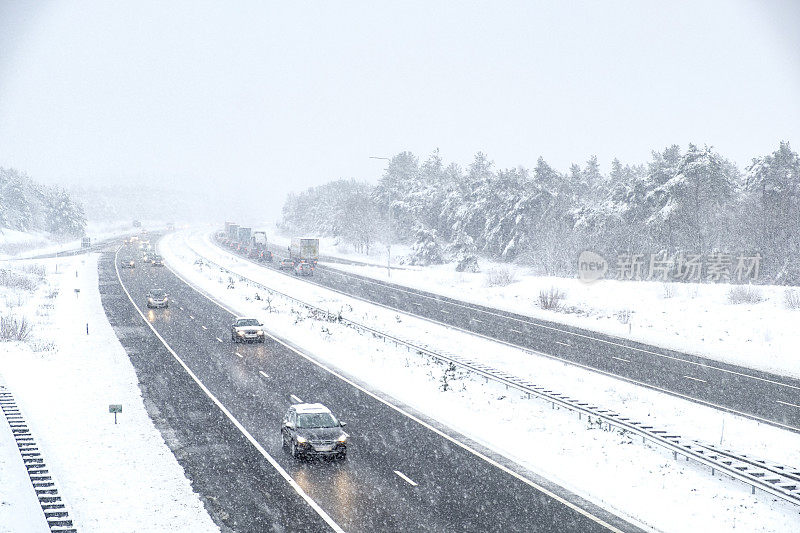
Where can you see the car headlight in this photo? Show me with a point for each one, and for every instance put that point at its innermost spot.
(260, 332)
(240, 333)
(343, 438)
(301, 440)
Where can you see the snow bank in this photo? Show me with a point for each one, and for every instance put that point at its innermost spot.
(121, 477)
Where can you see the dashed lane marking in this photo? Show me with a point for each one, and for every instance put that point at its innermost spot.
(563, 343)
(406, 478)
(695, 379)
(220, 340)
(263, 373)
(190, 316)
(789, 404)
(203, 327)
(295, 398)
(237, 353)
(620, 359)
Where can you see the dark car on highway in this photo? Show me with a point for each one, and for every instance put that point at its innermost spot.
(157, 261)
(303, 269)
(310, 429)
(286, 264)
(128, 264)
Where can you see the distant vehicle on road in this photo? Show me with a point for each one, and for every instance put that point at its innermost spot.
(86, 242)
(310, 429)
(247, 329)
(137, 224)
(303, 269)
(157, 261)
(128, 264)
(170, 226)
(302, 249)
(286, 264)
(157, 298)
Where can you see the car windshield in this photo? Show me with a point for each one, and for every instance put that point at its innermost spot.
(247, 322)
(316, 420)
(158, 293)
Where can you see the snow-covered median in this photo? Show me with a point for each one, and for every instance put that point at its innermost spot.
(610, 468)
(114, 477)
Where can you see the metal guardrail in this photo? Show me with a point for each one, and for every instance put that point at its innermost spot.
(778, 480)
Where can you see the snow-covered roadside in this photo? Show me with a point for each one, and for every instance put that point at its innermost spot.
(114, 477)
(694, 318)
(40, 243)
(607, 467)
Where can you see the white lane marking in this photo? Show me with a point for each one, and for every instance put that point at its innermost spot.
(406, 478)
(237, 353)
(203, 327)
(220, 340)
(263, 373)
(295, 398)
(419, 421)
(789, 404)
(563, 343)
(417, 304)
(314, 505)
(620, 359)
(516, 331)
(551, 356)
(444, 311)
(695, 379)
(190, 316)
(476, 320)
(181, 308)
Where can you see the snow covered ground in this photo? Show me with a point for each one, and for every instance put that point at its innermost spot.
(18, 244)
(613, 469)
(695, 318)
(114, 477)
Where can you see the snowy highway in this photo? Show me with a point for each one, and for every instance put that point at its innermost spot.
(760, 395)
(403, 473)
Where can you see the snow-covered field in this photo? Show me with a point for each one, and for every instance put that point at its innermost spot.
(695, 318)
(613, 469)
(18, 244)
(113, 477)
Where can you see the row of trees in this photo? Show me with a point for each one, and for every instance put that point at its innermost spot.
(692, 201)
(29, 206)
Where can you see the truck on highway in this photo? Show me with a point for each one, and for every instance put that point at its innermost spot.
(304, 250)
(233, 231)
(259, 248)
(244, 236)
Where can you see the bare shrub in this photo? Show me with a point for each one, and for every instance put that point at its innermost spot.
(744, 294)
(551, 299)
(39, 270)
(792, 299)
(624, 316)
(15, 280)
(52, 294)
(668, 291)
(42, 346)
(13, 328)
(499, 277)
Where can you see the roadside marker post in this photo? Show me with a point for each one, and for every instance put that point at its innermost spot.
(115, 408)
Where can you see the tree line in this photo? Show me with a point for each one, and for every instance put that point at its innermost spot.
(691, 201)
(26, 205)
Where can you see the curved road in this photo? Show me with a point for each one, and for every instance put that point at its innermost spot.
(403, 473)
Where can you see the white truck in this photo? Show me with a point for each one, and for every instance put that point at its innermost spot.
(304, 250)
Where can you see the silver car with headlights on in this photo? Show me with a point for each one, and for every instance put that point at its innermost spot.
(247, 330)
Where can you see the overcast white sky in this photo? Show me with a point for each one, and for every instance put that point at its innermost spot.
(272, 97)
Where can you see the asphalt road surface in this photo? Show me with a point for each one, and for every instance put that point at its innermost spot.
(402, 473)
(767, 397)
